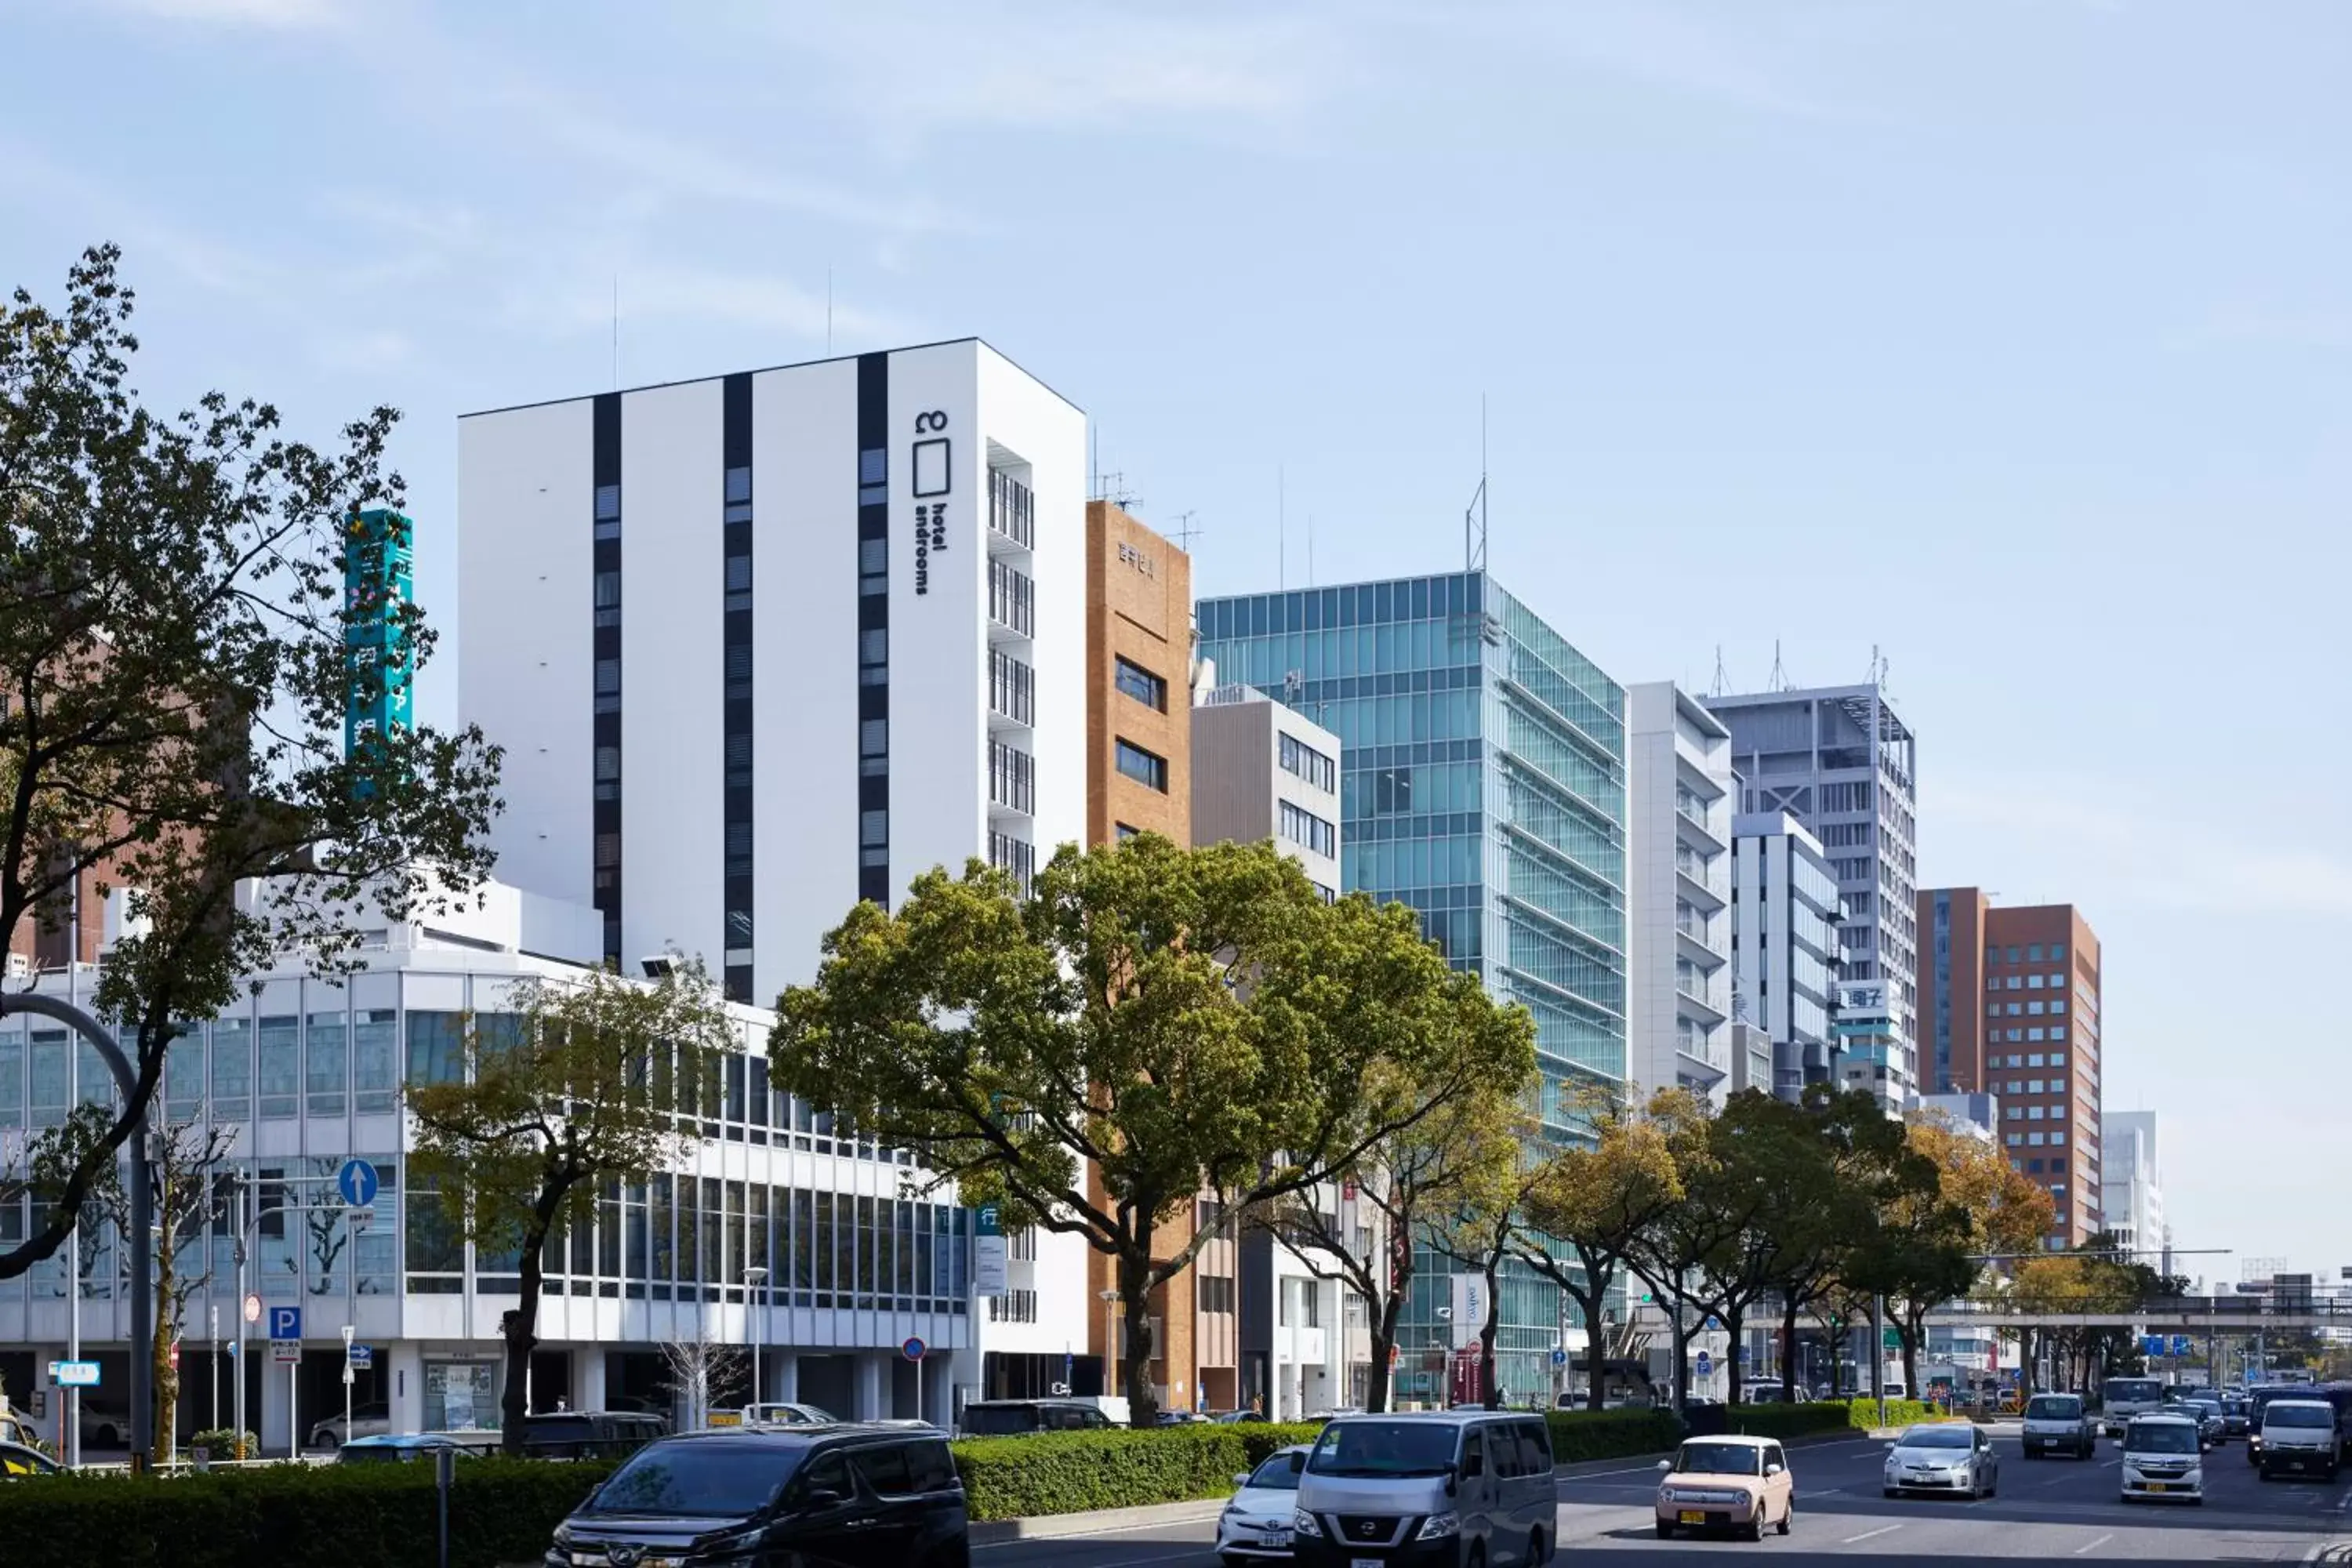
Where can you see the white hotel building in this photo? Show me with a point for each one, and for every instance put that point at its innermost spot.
(762, 645)
(756, 646)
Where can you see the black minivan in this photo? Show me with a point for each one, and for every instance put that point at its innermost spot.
(826, 1496)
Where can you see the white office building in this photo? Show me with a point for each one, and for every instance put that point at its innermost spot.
(2131, 1183)
(1784, 946)
(1840, 762)
(1678, 811)
(763, 645)
(1262, 771)
(308, 1075)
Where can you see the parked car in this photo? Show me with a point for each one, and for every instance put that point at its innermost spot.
(849, 1493)
(1016, 1417)
(1256, 1524)
(1943, 1456)
(104, 1425)
(589, 1434)
(407, 1447)
(1727, 1483)
(1230, 1417)
(1470, 1486)
(2163, 1457)
(786, 1413)
(2060, 1424)
(370, 1420)
(17, 1460)
(1180, 1418)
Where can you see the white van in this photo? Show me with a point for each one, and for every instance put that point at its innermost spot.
(2163, 1457)
(1438, 1486)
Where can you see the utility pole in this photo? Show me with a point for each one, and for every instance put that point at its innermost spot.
(238, 1252)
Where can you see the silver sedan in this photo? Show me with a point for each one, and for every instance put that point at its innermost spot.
(1950, 1458)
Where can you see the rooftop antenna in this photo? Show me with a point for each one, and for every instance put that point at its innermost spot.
(1779, 681)
(1185, 532)
(1878, 666)
(1722, 686)
(1474, 518)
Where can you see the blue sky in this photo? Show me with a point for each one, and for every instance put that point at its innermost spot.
(2012, 337)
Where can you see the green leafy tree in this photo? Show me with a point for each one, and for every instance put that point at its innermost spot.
(580, 1084)
(1916, 1253)
(1815, 1229)
(1586, 1206)
(173, 681)
(1478, 1233)
(1671, 1255)
(184, 1201)
(1180, 1021)
(1466, 1141)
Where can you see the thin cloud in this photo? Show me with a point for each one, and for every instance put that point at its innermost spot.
(2099, 845)
(281, 15)
(1070, 67)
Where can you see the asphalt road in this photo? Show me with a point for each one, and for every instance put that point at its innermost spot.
(2047, 1510)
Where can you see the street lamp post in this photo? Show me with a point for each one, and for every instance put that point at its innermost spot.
(757, 1278)
(1106, 1298)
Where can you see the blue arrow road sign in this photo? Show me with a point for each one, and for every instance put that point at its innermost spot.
(358, 1184)
(285, 1322)
(1558, 1357)
(362, 1357)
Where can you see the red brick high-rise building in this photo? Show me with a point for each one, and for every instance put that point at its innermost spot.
(2009, 1006)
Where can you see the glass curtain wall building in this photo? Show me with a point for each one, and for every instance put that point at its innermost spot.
(1482, 782)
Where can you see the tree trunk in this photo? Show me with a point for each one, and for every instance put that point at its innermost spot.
(1908, 1332)
(1789, 1352)
(1734, 1316)
(1379, 1378)
(1596, 1350)
(1135, 1336)
(520, 1327)
(167, 1383)
(1486, 1332)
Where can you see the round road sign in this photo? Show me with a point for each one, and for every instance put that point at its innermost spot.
(252, 1308)
(913, 1349)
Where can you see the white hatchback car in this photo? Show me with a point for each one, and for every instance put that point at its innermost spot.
(1256, 1525)
(2164, 1457)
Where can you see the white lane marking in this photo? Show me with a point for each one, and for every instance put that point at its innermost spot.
(1870, 1534)
(2092, 1546)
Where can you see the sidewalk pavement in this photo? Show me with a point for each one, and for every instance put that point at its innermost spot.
(1110, 1520)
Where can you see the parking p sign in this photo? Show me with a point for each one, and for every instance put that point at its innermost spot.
(285, 1322)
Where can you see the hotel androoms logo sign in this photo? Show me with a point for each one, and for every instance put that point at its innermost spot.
(930, 469)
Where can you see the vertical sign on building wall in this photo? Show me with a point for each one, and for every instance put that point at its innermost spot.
(987, 1251)
(378, 560)
(1469, 1304)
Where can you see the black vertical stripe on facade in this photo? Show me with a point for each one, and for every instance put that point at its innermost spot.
(873, 612)
(606, 880)
(737, 879)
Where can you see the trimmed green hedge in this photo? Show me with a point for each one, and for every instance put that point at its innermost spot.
(1581, 1435)
(1790, 1420)
(1864, 1413)
(1072, 1472)
(296, 1516)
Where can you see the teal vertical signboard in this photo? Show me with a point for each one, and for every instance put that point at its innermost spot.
(379, 559)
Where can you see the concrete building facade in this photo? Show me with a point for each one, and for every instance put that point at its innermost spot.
(308, 1074)
(2131, 1203)
(1784, 946)
(1842, 763)
(1678, 829)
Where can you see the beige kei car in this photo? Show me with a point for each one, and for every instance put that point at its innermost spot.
(1727, 1483)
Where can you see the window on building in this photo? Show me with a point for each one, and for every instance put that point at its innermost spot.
(2034, 1009)
(2034, 1034)
(2014, 1113)
(1144, 767)
(2034, 1061)
(2058, 1031)
(2015, 1140)
(2057, 953)
(2058, 982)
(1141, 684)
(1303, 827)
(2058, 1164)
(2060, 1140)
(2033, 982)
(1216, 1292)
(2015, 1036)
(2057, 1004)
(2034, 1167)
(1124, 830)
(2057, 1058)
(2033, 1113)
(1992, 982)
(2012, 956)
(2013, 983)
(2033, 1140)
(1297, 757)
